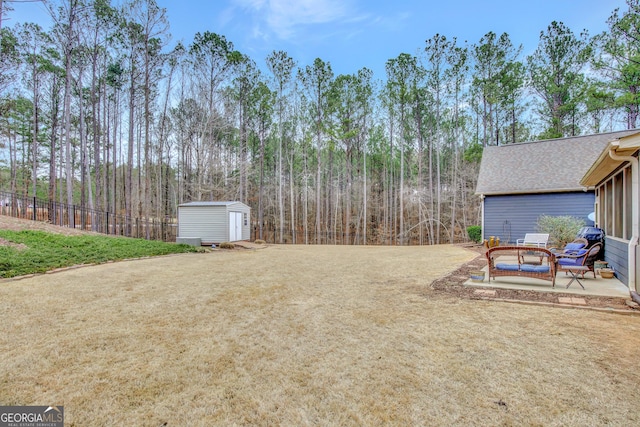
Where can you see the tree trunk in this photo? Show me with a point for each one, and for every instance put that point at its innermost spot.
(128, 196)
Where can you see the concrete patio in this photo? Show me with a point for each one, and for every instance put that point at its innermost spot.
(593, 287)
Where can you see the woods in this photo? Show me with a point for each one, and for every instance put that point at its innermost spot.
(102, 111)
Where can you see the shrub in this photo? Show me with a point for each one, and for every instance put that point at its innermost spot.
(259, 242)
(561, 229)
(226, 245)
(475, 233)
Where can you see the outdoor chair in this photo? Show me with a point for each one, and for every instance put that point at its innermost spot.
(571, 248)
(583, 257)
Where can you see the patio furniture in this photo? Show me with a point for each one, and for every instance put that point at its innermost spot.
(592, 235)
(511, 261)
(584, 257)
(575, 270)
(571, 248)
(538, 240)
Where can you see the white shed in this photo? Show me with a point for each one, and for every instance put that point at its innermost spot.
(213, 222)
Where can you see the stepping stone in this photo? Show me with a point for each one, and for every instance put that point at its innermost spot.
(485, 292)
(572, 300)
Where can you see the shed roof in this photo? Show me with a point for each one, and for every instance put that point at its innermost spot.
(220, 203)
(549, 166)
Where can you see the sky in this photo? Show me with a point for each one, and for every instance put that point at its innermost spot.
(352, 34)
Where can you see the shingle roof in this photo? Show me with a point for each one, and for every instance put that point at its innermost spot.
(221, 203)
(554, 165)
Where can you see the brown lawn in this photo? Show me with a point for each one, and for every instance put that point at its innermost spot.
(306, 335)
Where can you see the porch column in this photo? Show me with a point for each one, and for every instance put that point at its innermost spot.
(635, 208)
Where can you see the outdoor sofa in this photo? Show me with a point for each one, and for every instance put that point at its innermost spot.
(522, 261)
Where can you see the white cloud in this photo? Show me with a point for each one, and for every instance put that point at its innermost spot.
(251, 4)
(394, 22)
(225, 16)
(285, 18)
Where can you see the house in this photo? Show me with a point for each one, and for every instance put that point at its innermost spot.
(614, 175)
(206, 223)
(518, 183)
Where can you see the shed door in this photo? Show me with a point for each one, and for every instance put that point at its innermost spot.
(235, 226)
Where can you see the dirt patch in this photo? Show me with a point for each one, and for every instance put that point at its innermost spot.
(249, 245)
(19, 246)
(17, 224)
(452, 284)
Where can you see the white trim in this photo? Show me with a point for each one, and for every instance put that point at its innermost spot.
(482, 198)
(633, 242)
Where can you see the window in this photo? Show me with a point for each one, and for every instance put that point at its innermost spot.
(608, 208)
(618, 210)
(614, 200)
(246, 221)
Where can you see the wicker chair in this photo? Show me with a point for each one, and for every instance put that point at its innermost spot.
(584, 257)
(571, 248)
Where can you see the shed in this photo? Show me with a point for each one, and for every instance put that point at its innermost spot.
(213, 222)
(520, 182)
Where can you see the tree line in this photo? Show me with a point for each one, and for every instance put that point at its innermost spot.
(100, 110)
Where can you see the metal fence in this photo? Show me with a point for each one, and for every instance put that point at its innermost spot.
(82, 218)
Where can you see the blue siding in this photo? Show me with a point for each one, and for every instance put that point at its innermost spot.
(510, 217)
(616, 254)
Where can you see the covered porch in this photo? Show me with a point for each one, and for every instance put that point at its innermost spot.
(615, 177)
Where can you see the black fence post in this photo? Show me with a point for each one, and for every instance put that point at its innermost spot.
(68, 214)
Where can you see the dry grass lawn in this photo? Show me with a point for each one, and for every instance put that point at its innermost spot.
(306, 335)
